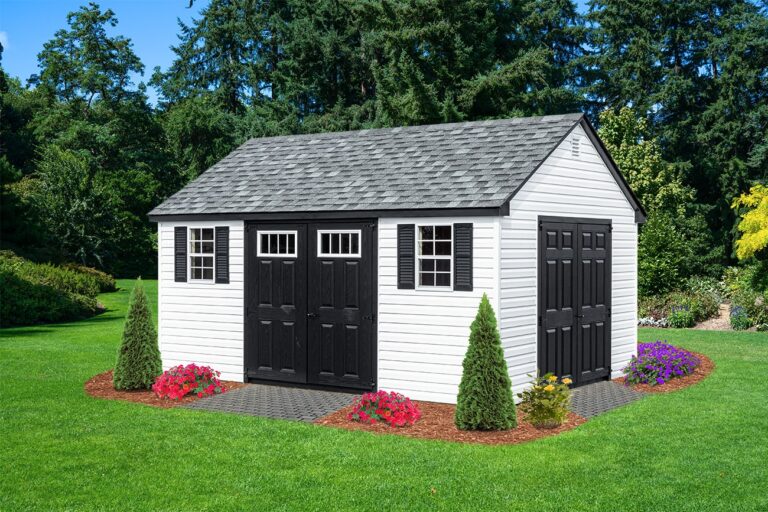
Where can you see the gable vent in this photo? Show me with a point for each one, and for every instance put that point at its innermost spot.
(575, 146)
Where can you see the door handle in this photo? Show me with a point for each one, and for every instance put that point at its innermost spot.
(579, 316)
(311, 315)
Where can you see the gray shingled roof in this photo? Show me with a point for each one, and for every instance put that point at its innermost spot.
(460, 165)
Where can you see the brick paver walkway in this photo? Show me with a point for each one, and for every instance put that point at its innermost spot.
(597, 398)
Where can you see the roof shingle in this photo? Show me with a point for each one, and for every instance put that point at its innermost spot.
(460, 165)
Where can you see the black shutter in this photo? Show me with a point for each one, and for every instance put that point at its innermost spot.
(222, 254)
(462, 257)
(406, 265)
(180, 254)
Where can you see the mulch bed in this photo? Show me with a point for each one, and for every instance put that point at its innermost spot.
(100, 386)
(437, 423)
(700, 373)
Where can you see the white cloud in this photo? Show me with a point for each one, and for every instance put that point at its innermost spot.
(4, 39)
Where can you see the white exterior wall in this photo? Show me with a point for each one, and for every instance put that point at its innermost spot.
(565, 186)
(423, 333)
(201, 322)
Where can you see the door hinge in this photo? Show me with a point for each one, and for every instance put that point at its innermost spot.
(311, 315)
(609, 311)
(610, 227)
(539, 319)
(372, 225)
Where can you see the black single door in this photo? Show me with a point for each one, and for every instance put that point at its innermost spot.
(276, 308)
(594, 302)
(340, 305)
(575, 299)
(557, 299)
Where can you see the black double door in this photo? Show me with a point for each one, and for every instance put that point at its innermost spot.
(575, 299)
(309, 303)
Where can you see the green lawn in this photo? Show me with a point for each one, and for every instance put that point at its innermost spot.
(703, 448)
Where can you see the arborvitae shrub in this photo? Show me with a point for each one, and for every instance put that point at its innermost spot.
(138, 360)
(485, 400)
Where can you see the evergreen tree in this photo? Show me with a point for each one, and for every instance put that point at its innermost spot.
(138, 359)
(485, 400)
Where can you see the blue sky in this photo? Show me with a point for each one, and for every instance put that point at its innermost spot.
(25, 25)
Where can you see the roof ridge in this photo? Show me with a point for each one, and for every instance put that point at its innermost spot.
(576, 116)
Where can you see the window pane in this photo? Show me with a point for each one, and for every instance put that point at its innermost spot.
(208, 273)
(443, 265)
(345, 243)
(428, 248)
(443, 248)
(207, 262)
(197, 261)
(197, 273)
(355, 243)
(443, 232)
(274, 244)
(282, 246)
(207, 234)
(427, 232)
(336, 242)
(264, 243)
(207, 247)
(325, 243)
(291, 244)
(427, 279)
(443, 279)
(428, 265)
(194, 235)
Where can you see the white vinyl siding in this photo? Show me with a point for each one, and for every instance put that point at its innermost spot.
(201, 321)
(423, 333)
(568, 184)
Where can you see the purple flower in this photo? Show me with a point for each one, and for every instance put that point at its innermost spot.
(657, 362)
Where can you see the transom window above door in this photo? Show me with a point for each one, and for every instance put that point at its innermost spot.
(338, 243)
(435, 251)
(277, 244)
(201, 243)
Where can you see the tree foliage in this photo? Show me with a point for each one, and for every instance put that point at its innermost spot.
(754, 222)
(485, 400)
(138, 358)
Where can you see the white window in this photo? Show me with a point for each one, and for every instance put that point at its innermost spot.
(201, 254)
(434, 248)
(338, 243)
(277, 244)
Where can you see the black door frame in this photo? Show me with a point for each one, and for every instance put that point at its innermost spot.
(248, 291)
(540, 253)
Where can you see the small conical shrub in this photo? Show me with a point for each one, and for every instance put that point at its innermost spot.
(485, 400)
(138, 360)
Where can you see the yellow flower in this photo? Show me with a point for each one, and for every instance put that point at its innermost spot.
(552, 378)
(567, 381)
(550, 387)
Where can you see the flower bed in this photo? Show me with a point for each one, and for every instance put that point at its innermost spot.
(181, 380)
(658, 362)
(391, 408)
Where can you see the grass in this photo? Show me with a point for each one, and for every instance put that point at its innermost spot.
(703, 448)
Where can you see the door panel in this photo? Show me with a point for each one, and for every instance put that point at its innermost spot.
(574, 299)
(340, 327)
(276, 308)
(558, 254)
(594, 319)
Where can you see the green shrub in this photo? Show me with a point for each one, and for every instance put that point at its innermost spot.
(138, 359)
(38, 293)
(747, 287)
(740, 321)
(545, 403)
(105, 282)
(681, 317)
(696, 305)
(485, 400)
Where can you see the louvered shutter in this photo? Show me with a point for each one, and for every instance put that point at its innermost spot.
(222, 254)
(406, 265)
(462, 257)
(180, 254)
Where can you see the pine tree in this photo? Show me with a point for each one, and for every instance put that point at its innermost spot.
(138, 360)
(485, 400)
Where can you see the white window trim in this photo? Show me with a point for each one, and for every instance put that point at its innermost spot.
(358, 232)
(262, 254)
(419, 257)
(191, 254)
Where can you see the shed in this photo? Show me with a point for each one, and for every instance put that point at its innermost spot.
(357, 260)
